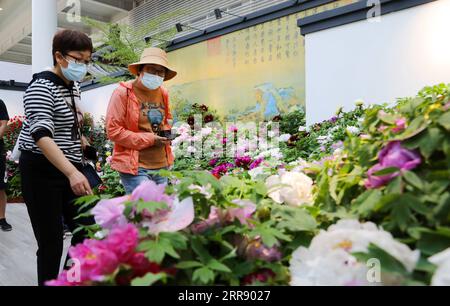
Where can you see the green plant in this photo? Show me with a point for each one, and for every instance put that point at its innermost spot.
(123, 44)
(414, 205)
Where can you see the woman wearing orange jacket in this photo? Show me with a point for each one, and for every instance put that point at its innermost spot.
(137, 122)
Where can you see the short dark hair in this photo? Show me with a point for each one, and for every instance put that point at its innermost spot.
(69, 40)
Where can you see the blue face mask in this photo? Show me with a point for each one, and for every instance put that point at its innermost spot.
(152, 81)
(74, 72)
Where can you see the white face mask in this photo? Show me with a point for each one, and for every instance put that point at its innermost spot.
(74, 71)
(152, 81)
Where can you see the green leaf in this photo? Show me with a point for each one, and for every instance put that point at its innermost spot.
(395, 186)
(401, 214)
(200, 250)
(388, 118)
(151, 207)
(433, 242)
(177, 239)
(230, 255)
(218, 266)
(417, 126)
(387, 171)
(204, 275)
(148, 280)
(442, 211)
(389, 264)
(294, 219)
(444, 120)
(413, 179)
(188, 265)
(153, 251)
(431, 142)
(269, 235)
(87, 200)
(367, 201)
(155, 255)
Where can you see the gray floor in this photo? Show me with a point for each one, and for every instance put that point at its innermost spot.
(18, 249)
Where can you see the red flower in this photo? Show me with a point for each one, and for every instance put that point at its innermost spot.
(209, 118)
(191, 120)
(262, 276)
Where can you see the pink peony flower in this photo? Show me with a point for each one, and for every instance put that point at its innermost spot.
(256, 163)
(233, 128)
(242, 213)
(95, 259)
(109, 213)
(243, 162)
(400, 125)
(123, 242)
(392, 156)
(257, 250)
(213, 162)
(214, 220)
(178, 217)
(222, 169)
(149, 191)
(382, 128)
(62, 281)
(219, 217)
(447, 106)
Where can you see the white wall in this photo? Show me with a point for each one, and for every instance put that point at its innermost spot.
(377, 62)
(93, 101)
(17, 72)
(13, 101)
(96, 101)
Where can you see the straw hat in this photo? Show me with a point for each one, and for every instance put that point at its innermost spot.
(153, 56)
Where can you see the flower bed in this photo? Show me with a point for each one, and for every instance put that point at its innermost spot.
(360, 199)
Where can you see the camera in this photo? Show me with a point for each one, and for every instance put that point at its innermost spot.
(167, 134)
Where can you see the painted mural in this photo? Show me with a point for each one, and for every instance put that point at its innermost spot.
(252, 74)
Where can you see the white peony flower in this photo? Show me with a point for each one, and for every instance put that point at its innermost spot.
(353, 130)
(331, 269)
(191, 149)
(324, 139)
(206, 131)
(276, 153)
(184, 129)
(284, 138)
(254, 173)
(204, 190)
(442, 275)
(359, 102)
(329, 259)
(292, 188)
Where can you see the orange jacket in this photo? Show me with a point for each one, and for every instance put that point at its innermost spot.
(122, 127)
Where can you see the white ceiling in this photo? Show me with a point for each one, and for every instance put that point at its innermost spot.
(15, 23)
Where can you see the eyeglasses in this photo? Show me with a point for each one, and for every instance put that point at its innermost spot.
(79, 61)
(156, 71)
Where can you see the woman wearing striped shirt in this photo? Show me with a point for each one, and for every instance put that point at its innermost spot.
(51, 146)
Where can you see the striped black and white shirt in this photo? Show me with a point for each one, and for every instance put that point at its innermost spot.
(49, 112)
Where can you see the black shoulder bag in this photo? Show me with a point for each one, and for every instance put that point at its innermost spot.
(90, 152)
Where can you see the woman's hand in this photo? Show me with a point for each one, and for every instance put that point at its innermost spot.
(84, 142)
(161, 141)
(79, 184)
